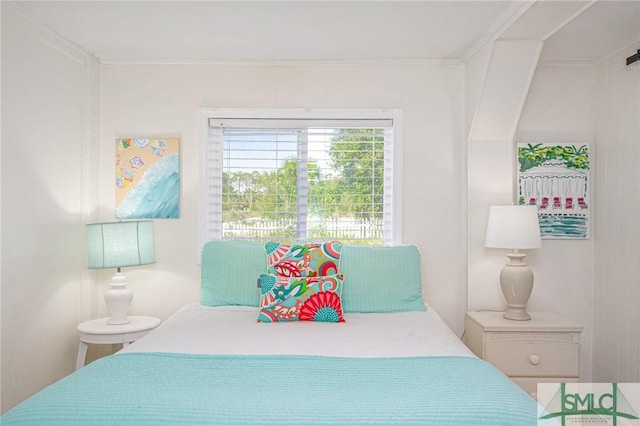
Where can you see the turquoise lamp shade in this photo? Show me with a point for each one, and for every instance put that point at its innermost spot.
(116, 245)
(120, 244)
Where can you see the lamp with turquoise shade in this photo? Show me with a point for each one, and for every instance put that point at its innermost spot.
(118, 245)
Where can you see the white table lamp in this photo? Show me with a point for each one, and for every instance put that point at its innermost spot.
(116, 245)
(514, 227)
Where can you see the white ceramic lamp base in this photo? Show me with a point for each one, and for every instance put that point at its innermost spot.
(118, 298)
(516, 280)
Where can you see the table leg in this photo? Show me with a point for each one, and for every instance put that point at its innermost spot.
(82, 355)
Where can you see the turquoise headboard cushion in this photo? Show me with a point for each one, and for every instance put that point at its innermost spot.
(376, 279)
(381, 279)
(230, 271)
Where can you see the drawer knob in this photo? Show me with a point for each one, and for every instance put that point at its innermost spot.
(534, 359)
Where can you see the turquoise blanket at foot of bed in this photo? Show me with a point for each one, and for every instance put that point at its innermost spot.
(180, 389)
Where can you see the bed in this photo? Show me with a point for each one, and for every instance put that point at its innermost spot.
(392, 360)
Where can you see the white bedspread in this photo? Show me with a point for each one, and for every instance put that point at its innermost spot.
(234, 330)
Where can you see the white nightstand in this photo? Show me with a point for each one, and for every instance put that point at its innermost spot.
(543, 349)
(99, 332)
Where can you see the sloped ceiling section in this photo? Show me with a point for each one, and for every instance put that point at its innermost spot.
(598, 32)
(218, 31)
(511, 66)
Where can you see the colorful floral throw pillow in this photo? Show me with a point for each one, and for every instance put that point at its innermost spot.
(303, 260)
(300, 298)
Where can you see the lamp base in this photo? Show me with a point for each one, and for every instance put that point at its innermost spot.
(118, 298)
(516, 280)
(516, 314)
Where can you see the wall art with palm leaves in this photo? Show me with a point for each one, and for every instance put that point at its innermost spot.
(555, 178)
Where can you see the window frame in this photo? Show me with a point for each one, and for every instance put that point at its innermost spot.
(286, 113)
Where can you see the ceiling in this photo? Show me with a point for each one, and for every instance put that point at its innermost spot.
(222, 31)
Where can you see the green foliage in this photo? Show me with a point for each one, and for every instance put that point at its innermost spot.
(352, 189)
(572, 157)
(358, 155)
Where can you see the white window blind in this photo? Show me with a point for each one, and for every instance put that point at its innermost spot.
(299, 179)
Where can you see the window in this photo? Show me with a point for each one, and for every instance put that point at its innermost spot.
(300, 175)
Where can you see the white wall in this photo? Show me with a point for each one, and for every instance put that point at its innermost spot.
(616, 354)
(45, 109)
(164, 100)
(559, 108)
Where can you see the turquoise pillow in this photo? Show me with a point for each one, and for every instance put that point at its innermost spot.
(229, 273)
(381, 279)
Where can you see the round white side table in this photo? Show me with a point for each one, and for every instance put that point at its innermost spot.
(100, 333)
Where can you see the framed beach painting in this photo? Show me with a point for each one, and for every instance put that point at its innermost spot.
(555, 178)
(147, 178)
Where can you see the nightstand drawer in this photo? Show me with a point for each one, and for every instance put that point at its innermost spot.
(534, 358)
